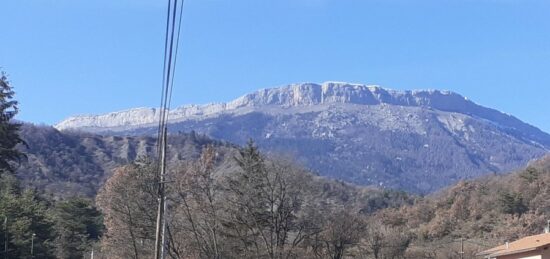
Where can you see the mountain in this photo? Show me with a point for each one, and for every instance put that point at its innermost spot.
(418, 141)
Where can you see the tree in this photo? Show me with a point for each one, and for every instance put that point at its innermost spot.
(196, 205)
(78, 225)
(385, 242)
(512, 203)
(342, 229)
(128, 201)
(530, 174)
(265, 205)
(24, 213)
(9, 131)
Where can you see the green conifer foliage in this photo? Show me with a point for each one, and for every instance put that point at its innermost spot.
(9, 131)
(78, 225)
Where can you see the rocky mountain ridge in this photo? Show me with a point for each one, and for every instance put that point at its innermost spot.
(418, 140)
(305, 94)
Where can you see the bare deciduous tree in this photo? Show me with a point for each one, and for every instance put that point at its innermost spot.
(126, 201)
(196, 198)
(265, 201)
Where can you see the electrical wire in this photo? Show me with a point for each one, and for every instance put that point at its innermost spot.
(171, 44)
(171, 49)
(176, 53)
(159, 132)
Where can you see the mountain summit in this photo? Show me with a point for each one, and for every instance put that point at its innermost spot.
(305, 94)
(418, 140)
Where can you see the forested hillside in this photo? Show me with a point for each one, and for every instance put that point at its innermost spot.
(482, 212)
(69, 163)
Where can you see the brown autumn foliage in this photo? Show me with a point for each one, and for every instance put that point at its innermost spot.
(483, 213)
(252, 207)
(127, 201)
(241, 207)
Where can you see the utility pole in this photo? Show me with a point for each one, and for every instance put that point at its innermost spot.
(32, 245)
(164, 247)
(173, 26)
(6, 241)
(159, 237)
(461, 248)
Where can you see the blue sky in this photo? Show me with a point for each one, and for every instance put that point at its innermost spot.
(68, 57)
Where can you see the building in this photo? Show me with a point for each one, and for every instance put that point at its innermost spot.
(531, 247)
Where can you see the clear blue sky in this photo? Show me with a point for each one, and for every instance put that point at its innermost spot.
(68, 57)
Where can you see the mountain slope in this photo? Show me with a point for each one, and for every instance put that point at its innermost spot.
(414, 140)
(484, 212)
(69, 163)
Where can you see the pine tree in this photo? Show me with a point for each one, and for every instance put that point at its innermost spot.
(78, 225)
(9, 131)
(24, 213)
(26, 220)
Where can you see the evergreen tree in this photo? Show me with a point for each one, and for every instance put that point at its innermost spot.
(9, 131)
(512, 203)
(26, 221)
(27, 225)
(250, 181)
(78, 225)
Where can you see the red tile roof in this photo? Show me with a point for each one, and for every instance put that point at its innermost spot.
(525, 244)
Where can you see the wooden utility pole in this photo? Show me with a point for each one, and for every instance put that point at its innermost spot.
(159, 237)
(173, 26)
(461, 248)
(6, 241)
(32, 245)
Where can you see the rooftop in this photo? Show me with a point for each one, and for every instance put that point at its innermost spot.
(525, 244)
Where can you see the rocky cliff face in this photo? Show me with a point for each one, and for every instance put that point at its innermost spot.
(290, 96)
(414, 140)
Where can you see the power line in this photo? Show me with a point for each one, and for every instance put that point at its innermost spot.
(176, 53)
(159, 132)
(170, 58)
